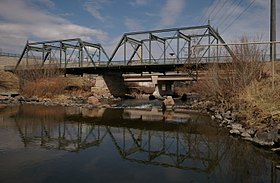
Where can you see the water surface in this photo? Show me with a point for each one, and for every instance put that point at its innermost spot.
(57, 144)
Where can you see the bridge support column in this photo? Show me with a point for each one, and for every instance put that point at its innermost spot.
(115, 83)
(166, 88)
(162, 88)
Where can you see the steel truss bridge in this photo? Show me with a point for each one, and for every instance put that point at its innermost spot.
(154, 51)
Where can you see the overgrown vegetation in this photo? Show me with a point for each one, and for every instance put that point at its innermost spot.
(242, 85)
(51, 83)
(9, 82)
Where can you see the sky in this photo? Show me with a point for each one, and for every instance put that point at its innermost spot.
(105, 21)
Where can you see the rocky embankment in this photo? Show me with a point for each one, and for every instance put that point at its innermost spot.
(67, 101)
(267, 138)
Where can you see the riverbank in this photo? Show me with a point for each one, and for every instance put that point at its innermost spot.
(82, 92)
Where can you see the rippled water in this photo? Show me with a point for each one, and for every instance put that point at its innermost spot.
(56, 144)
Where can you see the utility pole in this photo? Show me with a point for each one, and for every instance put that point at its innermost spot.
(273, 38)
(272, 29)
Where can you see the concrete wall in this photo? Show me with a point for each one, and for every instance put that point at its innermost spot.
(115, 83)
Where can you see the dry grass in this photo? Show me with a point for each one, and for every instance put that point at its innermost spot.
(224, 82)
(45, 88)
(8, 81)
(57, 87)
(259, 104)
(244, 87)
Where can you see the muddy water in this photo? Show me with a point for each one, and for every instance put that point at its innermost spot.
(132, 144)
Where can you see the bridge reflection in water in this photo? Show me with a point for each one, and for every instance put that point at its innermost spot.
(146, 136)
(184, 143)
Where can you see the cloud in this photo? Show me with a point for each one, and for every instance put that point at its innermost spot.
(20, 21)
(47, 3)
(132, 24)
(171, 11)
(140, 2)
(94, 7)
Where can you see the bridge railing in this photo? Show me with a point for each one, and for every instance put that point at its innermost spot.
(103, 64)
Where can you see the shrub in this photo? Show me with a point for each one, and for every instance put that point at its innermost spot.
(224, 82)
(45, 87)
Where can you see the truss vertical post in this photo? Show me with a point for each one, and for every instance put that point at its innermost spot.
(141, 54)
(79, 58)
(124, 51)
(82, 55)
(189, 50)
(150, 49)
(178, 45)
(27, 55)
(209, 42)
(65, 58)
(50, 58)
(43, 53)
(164, 52)
(209, 48)
(217, 50)
(99, 56)
(60, 54)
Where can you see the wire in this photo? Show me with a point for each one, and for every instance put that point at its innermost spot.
(231, 13)
(219, 10)
(207, 14)
(252, 2)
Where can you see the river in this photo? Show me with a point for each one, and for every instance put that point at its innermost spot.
(133, 144)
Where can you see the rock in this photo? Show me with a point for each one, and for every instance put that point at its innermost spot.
(4, 98)
(168, 102)
(251, 131)
(245, 135)
(228, 115)
(276, 149)
(236, 126)
(234, 132)
(248, 138)
(265, 138)
(93, 100)
(263, 142)
(218, 116)
(227, 121)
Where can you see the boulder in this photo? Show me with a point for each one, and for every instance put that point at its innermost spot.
(93, 100)
(219, 116)
(168, 102)
(245, 134)
(236, 126)
(4, 98)
(265, 138)
(234, 132)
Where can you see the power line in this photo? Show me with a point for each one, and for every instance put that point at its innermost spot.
(208, 10)
(219, 10)
(252, 2)
(231, 13)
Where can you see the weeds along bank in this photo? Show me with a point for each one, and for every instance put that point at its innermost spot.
(240, 96)
(50, 87)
